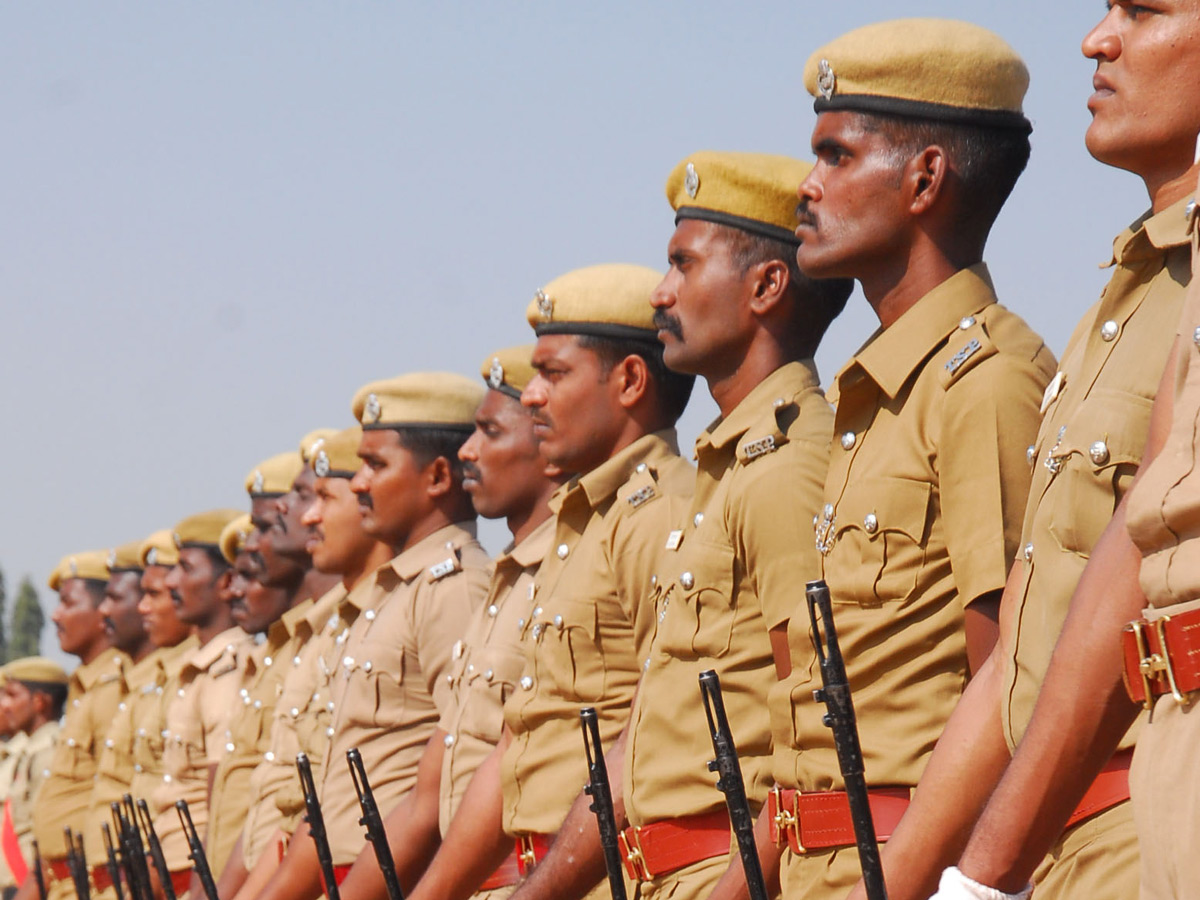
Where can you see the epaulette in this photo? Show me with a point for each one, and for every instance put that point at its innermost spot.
(447, 566)
(767, 435)
(640, 489)
(966, 348)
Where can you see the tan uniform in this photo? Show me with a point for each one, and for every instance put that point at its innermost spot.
(589, 634)
(148, 715)
(10, 755)
(389, 687)
(95, 691)
(31, 769)
(1087, 451)
(486, 666)
(300, 722)
(733, 572)
(1162, 520)
(196, 719)
(923, 503)
(248, 733)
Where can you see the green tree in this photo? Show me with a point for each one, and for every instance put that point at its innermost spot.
(27, 622)
(3, 618)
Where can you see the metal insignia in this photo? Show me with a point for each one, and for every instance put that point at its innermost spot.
(73, 566)
(691, 181)
(373, 410)
(316, 445)
(112, 558)
(496, 374)
(545, 304)
(177, 539)
(442, 569)
(957, 360)
(259, 481)
(755, 449)
(826, 79)
(152, 556)
(825, 532)
(640, 496)
(674, 539)
(321, 464)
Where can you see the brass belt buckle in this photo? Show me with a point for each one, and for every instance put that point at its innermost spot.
(527, 854)
(787, 821)
(1151, 666)
(635, 862)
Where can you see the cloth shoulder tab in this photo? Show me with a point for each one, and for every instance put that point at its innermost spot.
(966, 348)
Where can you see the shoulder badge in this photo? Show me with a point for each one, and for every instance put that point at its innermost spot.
(447, 566)
(754, 449)
(968, 355)
(640, 496)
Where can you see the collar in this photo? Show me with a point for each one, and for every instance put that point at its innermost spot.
(602, 483)
(431, 550)
(225, 642)
(174, 658)
(532, 550)
(293, 617)
(108, 665)
(42, 737)
(318, 614)
(785, 383)
(893, 354)
(1152, 233)
(142, 673)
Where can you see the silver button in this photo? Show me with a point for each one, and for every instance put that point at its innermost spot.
(295, 660)
(488, 674)
(180, 693)
(1196, 337)
(470, 668)
(229, 748)
(563, 550)
(448, 740)
(369, 615)
(258, 704)
(110, 743)
(1108, 331)
(137, 767)
(687, 580)
(653, 580)
(779, 401)
(1099, 453)
(367, 667)
(697, 519)
(828, 510)
(348, 662)
(966, 322)
(295, 711)
(527, 683)
(848, 440)
(493, 610)
(269, 756)
(641, 467)
(121, 706)
(558, 621)
(1030, 453)
(537, 631)
(520, 623)
(329, 732)
(141, 732)
(1028, 554)
(70, 742)
(269, 661)
(871, 523)
(537, 611)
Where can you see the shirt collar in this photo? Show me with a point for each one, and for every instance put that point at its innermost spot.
(785, 382)
(533, 549)
(432, 550)
(111, 661)
(1153, 233)
(602, 483)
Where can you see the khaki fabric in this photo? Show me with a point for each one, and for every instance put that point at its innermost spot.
(1166, 801)
(95, 690)
(196, 719)
(1090, 443)
(148, 714)
(389, 685)
(248, 734)
(10, 755)
(299, 722)
(737, 571)
(819, 873)
(589, 634)
(923, 504)
(486, 666)
(1097, 859)
(31, 770)
(694, 882)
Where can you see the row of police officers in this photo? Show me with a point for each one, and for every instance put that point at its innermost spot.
(981, 512)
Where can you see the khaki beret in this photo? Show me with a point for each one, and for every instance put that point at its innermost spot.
(419, 400)
(204, 529)
(611, 300)
(233, 537)
(310, 443)
(510, 370)
(126, 558)
(937, 69)
(91, 565)
(273, 477)
(337, 457)
(36, 669)
(751, 191)
(159, 549)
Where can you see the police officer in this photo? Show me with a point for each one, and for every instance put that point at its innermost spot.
(919, 139)
(604, 406)
(506, 477)
(389, 686)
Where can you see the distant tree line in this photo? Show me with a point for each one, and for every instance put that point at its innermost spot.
(20, 633)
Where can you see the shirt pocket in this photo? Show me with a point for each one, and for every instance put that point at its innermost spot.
(73, 755)
(881, 529)
(1100, 451)
(698, 618)
(488, 681)
(570, 651)
(381, 671)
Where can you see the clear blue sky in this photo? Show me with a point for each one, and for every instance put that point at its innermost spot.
(220, 219)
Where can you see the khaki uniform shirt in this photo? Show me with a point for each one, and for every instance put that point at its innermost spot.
(32, 768)
(299, 723)
(487, 664)
(10, 755)
(248, 733)
(732, 572)
(94, 692)
(389, 687)
(1091, 441)
(197, 717)
(923, 504)
(589, 633)
(148, 714)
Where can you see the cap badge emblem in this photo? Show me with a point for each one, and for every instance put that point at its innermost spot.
(73, 566)
(152, 556)
(826, 79)
(258, 481)
(177, 539)
(691, 181)
(545, 305)
(495, 374)
(315, 446)
(112, 558)
(373, 410)
(321, 464)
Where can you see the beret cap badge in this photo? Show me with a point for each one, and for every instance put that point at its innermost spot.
(826, 79)
(691, 181)
(373, 409)
(152, 556)
(496, 374)
(545, 304)
(73, 565)
(112, 558)
(321, 464)
(259, 482)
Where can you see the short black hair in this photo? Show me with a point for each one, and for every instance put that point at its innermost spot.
(988, 160)
(427, 443)
(672, 388)
(95, 587)
(56, 692)
(816, 302)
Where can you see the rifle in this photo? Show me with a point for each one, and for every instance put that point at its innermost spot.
(114, 868)
(156, 851)
(77, 865)
(316, 826)
(599, 789)
(840, 719)
(196, 851)
(373, 822)
(130, 850)
(37, 872)
(729, 782)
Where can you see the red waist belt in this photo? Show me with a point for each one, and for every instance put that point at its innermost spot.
(817, 819)
(664, 847)
(181, 881)
(59, 870)
(100, 879)
(1110, 788)
(528, 851)
(1162, 657)
(340, 873)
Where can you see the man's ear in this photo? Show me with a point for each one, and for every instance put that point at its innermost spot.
(925, 178)
(439, 477)
(770, 284)
(631, 377)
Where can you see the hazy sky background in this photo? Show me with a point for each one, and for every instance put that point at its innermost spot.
(219, 219)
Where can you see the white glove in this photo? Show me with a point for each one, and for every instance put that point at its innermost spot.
(957, 886)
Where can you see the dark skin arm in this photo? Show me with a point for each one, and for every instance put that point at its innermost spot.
(258, 877)
(234, 875)
(412, 831)
(195, 889)
(298, 877)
